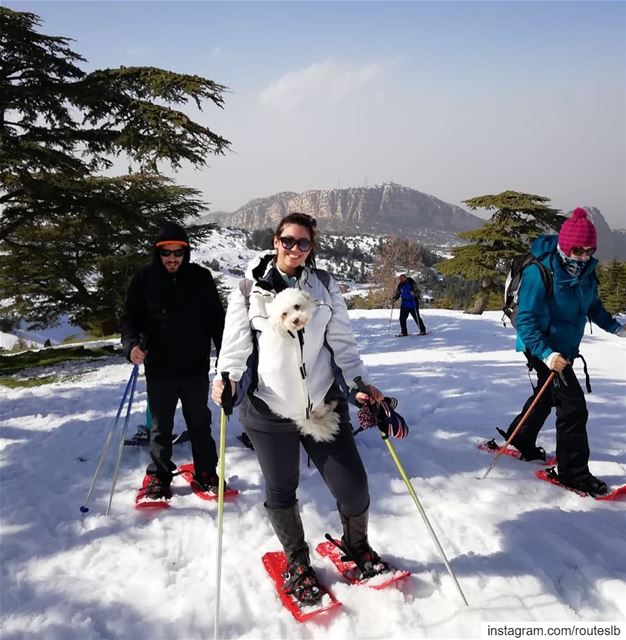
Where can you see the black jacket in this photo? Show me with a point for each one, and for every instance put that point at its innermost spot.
(176, 315)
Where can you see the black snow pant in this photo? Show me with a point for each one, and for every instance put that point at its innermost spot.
(415, 314)
(566, 394)
(163, 396)
(277, 442)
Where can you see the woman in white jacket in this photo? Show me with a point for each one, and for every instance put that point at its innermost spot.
(295, 377)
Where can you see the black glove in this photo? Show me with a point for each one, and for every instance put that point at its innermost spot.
(227, 394)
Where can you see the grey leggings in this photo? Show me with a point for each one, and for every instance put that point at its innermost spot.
(277, 445)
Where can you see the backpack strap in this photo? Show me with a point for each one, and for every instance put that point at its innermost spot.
(587, 378)
(546, 274)
(249, 379)
(323, 277)
(245, 286)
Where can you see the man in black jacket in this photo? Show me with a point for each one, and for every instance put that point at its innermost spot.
(171, 315)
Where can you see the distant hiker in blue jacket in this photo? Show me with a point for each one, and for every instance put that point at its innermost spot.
(409, 293)
(550, 327)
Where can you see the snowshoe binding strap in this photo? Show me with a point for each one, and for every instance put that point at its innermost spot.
(301, 583)
(552, 474)
(155, 489)
(366, 559)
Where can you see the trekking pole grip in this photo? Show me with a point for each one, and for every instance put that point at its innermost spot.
(360, 385)
(227, 394)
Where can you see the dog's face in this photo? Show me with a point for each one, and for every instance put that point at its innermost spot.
(291, 310)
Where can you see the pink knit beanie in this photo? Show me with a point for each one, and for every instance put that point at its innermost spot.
(577, 231)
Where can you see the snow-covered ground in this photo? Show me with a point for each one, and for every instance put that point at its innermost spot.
(36, 338)
(522, 550)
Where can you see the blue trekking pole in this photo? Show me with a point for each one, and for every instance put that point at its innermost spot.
(120, 448)
(133, 378)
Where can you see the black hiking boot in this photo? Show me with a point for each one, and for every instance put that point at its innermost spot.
(370, 564)
(300, 579)
(157, 489)
(141, 438)
(301, 583)
(208, 481)
(527, 453)
(356, 548)
(588, 484)
(536, 453)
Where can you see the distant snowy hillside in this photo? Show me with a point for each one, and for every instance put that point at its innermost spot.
(227, 248)
(225, 253)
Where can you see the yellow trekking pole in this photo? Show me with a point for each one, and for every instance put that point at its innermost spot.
(418, 504)
(227, 409)
(420, 508)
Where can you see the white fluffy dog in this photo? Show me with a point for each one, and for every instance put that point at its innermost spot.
(290, 312)
(322, 424)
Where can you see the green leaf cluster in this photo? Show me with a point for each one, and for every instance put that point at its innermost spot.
(70, 232)
(517, 219)
(612, 286)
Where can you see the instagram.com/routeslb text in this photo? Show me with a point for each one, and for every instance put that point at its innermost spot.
(553, 630)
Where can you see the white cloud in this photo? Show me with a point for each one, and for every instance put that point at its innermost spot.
(324, 82)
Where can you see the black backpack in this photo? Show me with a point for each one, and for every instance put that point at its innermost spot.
(514, 278)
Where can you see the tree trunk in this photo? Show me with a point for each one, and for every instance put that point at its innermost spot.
(480, 303)
(482, 297)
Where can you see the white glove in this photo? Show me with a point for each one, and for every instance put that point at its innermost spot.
(621, 332)
(555, 362)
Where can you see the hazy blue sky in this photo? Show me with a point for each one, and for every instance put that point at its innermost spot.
(455, 99)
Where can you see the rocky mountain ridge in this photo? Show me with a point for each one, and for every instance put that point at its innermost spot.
(611, 242)
(383, 209)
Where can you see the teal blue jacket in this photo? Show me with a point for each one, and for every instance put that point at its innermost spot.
(556, 323)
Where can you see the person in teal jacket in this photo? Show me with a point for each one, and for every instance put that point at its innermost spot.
(550, 326)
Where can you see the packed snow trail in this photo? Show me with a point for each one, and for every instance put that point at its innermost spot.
(522, 550)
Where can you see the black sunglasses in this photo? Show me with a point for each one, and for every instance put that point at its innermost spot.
(178, 253)
(581, 251)
(289, 242)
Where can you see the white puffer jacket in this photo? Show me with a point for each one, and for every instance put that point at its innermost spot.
(328, 344)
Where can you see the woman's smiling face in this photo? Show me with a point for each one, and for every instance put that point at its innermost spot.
(288, 260)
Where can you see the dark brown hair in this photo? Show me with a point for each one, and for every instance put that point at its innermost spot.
(304, 220)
